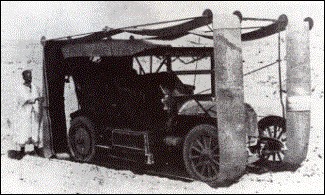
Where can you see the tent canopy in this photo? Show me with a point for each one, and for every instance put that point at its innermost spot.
(100, 43)
(178, 30)
(113, 48)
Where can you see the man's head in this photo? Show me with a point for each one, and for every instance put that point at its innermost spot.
(27, 76)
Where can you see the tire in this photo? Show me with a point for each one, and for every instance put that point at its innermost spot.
(81, 139)
(201, 153)
(273, 127)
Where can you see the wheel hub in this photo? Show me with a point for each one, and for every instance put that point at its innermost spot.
(271, 145)
(207, 152)
(82, 140)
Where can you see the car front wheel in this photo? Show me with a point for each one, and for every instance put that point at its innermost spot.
(201, 153)
(81, 139)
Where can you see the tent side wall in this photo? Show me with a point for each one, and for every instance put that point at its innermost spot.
(54, 126)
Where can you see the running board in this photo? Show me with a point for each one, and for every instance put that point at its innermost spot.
(133, 140)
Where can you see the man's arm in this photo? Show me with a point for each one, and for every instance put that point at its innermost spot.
(39, 99)
(29, 101)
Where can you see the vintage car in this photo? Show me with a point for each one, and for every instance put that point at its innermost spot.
(133, 99)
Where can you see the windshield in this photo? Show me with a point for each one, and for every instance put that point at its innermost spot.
(194, 72)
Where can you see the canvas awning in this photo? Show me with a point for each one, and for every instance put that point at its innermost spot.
(113, 48)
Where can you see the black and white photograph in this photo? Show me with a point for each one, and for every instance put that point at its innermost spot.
(152, 97)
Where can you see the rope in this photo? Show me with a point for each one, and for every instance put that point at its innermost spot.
(77, 35)
(211, 29)
(163, 22)
(259, 19)
(204, 91)
(243, 28)
(248, 73)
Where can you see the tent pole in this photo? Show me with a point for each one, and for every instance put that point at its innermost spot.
(280, 75)
(46, 134)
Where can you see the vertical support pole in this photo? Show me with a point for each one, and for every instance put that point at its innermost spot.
(280, 75)
(169, 64)
(298, 92)
(229, 97)
(150, 64)
(46, 134)
(213, 75)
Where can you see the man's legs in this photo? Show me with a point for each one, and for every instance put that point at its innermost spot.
(37, 149)
(22, 148)
(22, 152)
(17, 154)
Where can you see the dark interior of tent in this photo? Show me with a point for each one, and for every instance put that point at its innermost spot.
(94, 80)
(92, 77)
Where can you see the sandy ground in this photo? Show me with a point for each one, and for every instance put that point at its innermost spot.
(38, 175)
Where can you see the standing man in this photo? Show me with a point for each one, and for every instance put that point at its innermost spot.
(27, 125)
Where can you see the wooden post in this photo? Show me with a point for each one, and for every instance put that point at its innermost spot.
(229, 97)
(298, 92)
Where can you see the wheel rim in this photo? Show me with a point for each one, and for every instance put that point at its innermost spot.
(204, 157)
(81, 142)
(274, 149)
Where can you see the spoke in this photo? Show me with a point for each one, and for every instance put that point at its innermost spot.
(195, 157)
(209, 170)
(196, 149)
(215, 156)
(269, 131)
(215, 148)
(280, 158)
(275, 128)
(207, 143)
(200, 143)
(273, 156)
(279, 136)
(202, 163)
(215, 162)
(214, 169)
(203, 169)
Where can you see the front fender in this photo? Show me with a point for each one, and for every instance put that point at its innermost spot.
(191, 108)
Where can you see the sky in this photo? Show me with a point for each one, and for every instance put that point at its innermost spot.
(31, 20)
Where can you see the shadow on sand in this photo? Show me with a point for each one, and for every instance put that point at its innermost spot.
(167, 166)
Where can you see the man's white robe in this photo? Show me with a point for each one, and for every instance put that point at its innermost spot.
(27, 130)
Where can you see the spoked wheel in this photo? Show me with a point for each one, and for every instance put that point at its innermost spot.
(201, 153)
(272, 133)
(81, 139)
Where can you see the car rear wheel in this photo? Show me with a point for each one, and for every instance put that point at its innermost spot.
(201, 153)
(272, 133)
(81, 139)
